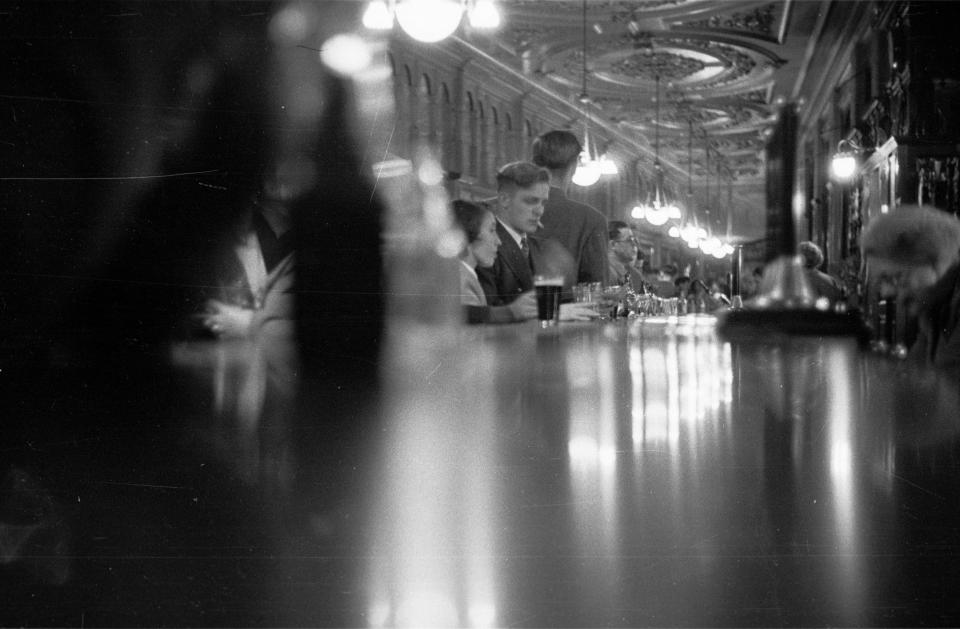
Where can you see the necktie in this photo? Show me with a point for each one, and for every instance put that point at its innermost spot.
(524, 247)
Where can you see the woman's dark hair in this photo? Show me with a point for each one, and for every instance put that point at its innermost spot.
(469, 216)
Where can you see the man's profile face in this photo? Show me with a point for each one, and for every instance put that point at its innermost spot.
(625, 246)
(521, 208)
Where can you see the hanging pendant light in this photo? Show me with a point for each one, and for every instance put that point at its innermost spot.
(588, 170)
(657, 211)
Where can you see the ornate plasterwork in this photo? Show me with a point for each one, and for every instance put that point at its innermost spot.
(759, 21)
(668, 66)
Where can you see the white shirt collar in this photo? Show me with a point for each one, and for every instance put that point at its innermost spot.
(517, 236)
(472, 270)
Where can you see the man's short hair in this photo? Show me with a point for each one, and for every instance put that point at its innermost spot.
(469, 216)
(669, 269)
(520, 175)
(811, 254)
(556, 150)
(614, 227)
(912, 235)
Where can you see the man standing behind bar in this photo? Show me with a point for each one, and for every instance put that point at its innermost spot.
(581, 229)
(522, 189)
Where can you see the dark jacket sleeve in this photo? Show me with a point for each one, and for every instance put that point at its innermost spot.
(593, 258)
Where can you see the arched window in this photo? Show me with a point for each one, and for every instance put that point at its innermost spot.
(473, 129)
(447, 136)
(483, 142)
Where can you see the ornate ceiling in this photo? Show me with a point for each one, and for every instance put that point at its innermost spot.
(721, 67)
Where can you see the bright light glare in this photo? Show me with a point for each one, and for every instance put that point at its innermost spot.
(346, 54)
(484, 14)
(674, 211)
(377, 16)
(583, 449)
(482, 616)
(587, 173)
(637, 212)
(844, 165)
(450, 243)
(674, 231)
(710, 245)
(430, 173)
(658, 216)
(426, 609)
(429, 21)
(608, 166)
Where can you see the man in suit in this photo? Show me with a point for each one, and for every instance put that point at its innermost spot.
(522, 189)
(581, 229)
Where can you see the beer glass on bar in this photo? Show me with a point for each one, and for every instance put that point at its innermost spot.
(548, 288)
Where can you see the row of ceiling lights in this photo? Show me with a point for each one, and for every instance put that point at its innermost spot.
(432, 21)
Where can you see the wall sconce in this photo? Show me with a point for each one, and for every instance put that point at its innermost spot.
(844, 162)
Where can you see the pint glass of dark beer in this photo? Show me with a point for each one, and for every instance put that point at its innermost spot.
(548, 289)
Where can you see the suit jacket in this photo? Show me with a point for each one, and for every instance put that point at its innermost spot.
(582, 231)
(512, 273)
(471, 293)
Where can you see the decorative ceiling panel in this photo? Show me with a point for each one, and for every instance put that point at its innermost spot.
(718, 63)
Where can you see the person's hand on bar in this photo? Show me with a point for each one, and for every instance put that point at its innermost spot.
(524, 307)
(577, 312)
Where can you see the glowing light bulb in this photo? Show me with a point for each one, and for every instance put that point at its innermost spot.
(484, 14)
(844, 165)
(588, 171)
(346, 54)
(608, 166)
(658, 216)
(429, 21)
(377, 16)
(674, 231)
(637, 212)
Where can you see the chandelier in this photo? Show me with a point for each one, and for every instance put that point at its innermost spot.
(430, 21)
(656, 210)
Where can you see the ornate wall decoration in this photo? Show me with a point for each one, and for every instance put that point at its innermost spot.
(759, 20)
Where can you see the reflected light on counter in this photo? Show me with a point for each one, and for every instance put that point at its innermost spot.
(426, 609)
(637, 407)
(346, 55)
(482, 616)
(583, 450)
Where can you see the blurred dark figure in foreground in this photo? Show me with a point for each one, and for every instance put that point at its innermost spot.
(917, 251)
(823, 285)
(134, 136)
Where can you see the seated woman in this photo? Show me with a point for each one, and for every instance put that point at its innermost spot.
(917, 249)
(480, 227)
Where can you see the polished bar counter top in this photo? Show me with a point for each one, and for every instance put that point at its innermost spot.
(625, 473)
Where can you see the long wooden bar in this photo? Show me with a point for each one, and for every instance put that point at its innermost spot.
(625, 473)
